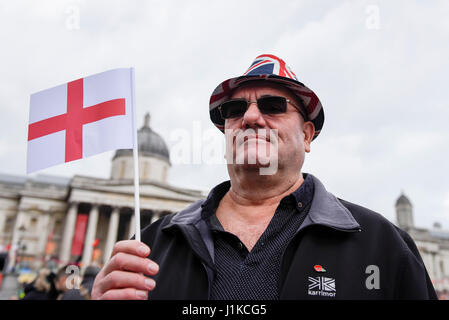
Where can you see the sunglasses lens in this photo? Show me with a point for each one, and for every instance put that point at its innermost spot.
(272, 105)
(267, 105)
(233, 109)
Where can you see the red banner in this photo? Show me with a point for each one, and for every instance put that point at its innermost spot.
(80, 232)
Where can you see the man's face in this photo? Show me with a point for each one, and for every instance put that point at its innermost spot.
(294, 135)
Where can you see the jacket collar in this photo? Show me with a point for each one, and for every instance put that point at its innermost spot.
(328, 211)
(325, 210)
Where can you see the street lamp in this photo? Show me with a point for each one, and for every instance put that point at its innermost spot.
(21, 247)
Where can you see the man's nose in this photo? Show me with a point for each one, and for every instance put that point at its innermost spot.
(253, 117)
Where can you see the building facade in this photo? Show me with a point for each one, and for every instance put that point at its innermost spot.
(433, 244)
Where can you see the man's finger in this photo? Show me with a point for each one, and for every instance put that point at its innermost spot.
(124, 279)
(128, 262)
(125, 294)
(132, 247)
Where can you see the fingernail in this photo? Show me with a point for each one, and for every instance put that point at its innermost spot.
(153, 267)
(143, 250)
(141, 294)
(150, 283)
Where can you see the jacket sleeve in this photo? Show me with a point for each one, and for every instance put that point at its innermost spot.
(413, 281)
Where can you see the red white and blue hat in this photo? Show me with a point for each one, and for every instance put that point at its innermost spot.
(270, 68)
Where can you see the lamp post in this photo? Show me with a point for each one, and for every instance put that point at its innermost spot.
(21, 247)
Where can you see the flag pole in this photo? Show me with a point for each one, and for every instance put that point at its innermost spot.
(136, 160)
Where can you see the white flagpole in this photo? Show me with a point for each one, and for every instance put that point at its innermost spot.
(136, 161)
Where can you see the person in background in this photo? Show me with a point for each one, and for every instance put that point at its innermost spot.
(42, 288)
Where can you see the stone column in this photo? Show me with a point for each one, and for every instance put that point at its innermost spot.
(16, 236)
(436, 264)
(3, 215)
(112, 233)
(44, 226)
(69, 229)
(90, 236)
(132, 226)
(427, 259)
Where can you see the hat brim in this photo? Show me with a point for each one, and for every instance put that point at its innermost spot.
(223, 91)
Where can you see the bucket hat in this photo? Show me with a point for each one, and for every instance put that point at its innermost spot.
(271, 68)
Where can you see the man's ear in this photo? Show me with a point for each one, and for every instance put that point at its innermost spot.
(308, 129)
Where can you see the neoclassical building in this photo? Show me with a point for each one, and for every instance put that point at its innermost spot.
(47, 219)
(433, 244)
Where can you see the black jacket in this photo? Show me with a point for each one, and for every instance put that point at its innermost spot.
(32, 293)
(364, 255)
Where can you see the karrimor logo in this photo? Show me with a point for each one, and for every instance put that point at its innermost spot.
(322, 286)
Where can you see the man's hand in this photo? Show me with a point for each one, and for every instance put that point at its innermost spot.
(122, 278)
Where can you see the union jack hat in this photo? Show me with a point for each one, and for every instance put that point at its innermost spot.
(270, 68)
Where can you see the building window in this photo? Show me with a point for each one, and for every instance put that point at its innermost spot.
(33, 223)
(58, 227)
(9, 224)
(145, 171)
(122, 169)
(164, 175)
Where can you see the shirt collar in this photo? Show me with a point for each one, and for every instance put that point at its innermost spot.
(325, 209)
(304, 194)
(212, 201)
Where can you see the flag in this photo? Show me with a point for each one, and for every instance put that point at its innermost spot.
(81, 118)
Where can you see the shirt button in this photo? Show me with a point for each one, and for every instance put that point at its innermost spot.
(299, 204)
(240, 245)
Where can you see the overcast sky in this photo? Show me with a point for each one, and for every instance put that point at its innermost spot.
(380, 69)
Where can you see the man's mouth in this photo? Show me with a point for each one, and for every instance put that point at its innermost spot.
(262, 138)
(242, 138)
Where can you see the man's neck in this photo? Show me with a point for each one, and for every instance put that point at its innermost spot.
(258, 190)
(249, 205)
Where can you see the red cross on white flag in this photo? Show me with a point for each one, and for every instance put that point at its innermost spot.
(81, 118)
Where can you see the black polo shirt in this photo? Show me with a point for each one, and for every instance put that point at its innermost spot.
(254, 275)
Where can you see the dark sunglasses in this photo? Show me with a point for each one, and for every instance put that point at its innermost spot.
(236, 108)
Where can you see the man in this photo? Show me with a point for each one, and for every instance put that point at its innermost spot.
(267, 236)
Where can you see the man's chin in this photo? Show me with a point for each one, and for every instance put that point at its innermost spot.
(252, 165)
(255, 162)
(261, 169)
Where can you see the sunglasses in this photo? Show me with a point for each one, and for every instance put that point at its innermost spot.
(236, 108)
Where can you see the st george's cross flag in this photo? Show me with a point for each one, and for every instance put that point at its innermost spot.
(81, 118)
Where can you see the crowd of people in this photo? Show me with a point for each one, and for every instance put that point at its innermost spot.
(49, 285)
